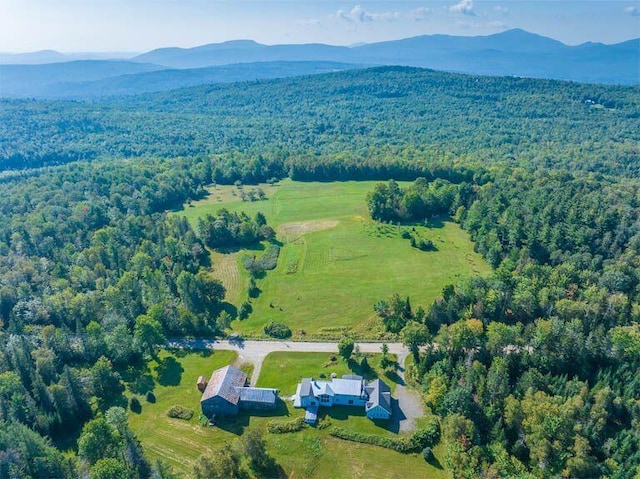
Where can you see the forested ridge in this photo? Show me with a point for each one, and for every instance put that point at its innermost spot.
(535, 372)
(360, 114)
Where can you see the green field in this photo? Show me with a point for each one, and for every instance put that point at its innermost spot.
(335, 262)
(311, 453)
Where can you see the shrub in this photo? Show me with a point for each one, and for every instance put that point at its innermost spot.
(134, 405)
(245, 310)
(180, 412)
(277, 330)
(283, 427)
(150, 397)
(254, 291)
(426, 245)
(324, 423)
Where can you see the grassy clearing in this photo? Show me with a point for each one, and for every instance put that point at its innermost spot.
(283, 370)
(311, 453)
(335, 262)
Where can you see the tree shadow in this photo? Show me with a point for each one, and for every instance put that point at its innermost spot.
(237, 248)
(237, 424)
(366, 372)
(142, 384)
(394, 377)
(229, 308)
(435, 463)
(169, 371)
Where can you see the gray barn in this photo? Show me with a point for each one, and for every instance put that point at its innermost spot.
(227, 393)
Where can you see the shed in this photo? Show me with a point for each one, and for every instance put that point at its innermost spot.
(202, 384)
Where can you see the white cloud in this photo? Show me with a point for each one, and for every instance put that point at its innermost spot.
(635, 11)
(359, 15)
(465, 7)
(421, 13)
(497, 24)
(308, 22)
(501, 9)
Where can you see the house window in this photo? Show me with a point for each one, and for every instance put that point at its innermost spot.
(350, 401)
(324, 398)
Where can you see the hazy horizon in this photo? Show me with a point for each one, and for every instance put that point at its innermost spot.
(118, 26)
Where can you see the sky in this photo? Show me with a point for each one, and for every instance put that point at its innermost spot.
(142, 25)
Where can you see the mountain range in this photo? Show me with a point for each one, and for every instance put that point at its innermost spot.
(510, 53)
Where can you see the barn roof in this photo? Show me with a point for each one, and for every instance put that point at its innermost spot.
(224, 383)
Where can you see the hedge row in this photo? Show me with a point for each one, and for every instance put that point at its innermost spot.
(406, 445)
(283, 427)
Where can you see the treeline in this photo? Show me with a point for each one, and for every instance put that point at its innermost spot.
(488, 120)
(533, 369)
(421, 200)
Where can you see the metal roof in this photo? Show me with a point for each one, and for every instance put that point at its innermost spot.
(305, 387)
(347, 387)
(224, 383)
(261, 395)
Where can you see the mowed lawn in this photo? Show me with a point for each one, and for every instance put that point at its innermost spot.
(335, 262)
(311, 453)
(283, 370)
(176, 441)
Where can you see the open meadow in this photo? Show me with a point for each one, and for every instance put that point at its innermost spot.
(310, 453)
(335, 262)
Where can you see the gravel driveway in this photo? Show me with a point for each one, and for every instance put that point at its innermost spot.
(407, 407)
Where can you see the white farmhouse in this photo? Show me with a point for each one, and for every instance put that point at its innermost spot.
(350, 390)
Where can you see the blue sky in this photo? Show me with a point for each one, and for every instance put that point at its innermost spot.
(140, 25)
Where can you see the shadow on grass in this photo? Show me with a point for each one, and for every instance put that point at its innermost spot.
(169, 371)
(142, 384)
(394, 377)
(235, 249)
(230, 309)
(237, 424)
(343, 413)
(435, 463)
(366, 371)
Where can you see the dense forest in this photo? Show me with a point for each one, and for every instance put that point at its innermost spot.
(371, 115)
(533, 370)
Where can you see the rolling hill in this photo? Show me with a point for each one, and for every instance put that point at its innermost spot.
(91, 80)
(510, 53)
(351, 115)
(513, 52)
